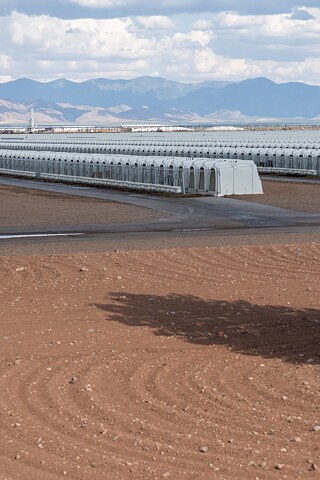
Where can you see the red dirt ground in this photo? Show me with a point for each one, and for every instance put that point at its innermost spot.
(177, 363)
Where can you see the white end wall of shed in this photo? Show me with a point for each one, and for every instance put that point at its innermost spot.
(238, 179)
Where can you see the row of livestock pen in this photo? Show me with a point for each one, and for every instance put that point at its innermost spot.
(274, 158)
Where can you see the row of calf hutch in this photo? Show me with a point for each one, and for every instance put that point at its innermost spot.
(216, 177)
(305, 160)
(178, 141)
(28, 143)
(168, 144)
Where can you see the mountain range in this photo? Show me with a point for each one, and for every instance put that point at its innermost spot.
(154, 99)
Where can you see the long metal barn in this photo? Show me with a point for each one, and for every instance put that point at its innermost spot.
(216, 177)
(303, 160)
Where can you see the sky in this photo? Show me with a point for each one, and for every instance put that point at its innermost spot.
(182, 40)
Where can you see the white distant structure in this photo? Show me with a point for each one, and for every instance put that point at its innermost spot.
(155, 128)
(222, 128)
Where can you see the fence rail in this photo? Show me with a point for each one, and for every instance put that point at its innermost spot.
(112, 183)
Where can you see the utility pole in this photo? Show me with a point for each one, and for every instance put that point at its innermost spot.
(31, 124)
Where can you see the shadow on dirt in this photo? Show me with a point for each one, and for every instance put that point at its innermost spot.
(267, 331)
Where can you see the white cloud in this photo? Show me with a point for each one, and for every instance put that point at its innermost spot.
(225, 46)
(72, 9)
(268, 26)
(206, 61)
(193, 38)
(202, 24)
(5, 62)
(4, 79)
(281, 38)
(99, 3)
(47, 38)
(155, 22)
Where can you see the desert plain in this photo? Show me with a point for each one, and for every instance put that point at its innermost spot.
(177, 358)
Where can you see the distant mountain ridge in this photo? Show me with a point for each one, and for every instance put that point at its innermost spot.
(155, 99)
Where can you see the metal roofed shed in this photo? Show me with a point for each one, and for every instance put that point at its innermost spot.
(216, 177)
(269, 157)
(237, 178)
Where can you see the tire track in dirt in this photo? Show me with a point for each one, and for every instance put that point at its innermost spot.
(154, 365)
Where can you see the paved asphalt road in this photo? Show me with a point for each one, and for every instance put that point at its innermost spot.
(189, 217)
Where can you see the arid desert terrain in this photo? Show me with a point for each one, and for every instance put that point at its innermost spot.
(179, 359)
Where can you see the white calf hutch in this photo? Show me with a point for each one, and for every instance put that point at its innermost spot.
(302, 160)
(211, 176)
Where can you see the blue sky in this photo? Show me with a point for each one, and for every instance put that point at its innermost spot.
(179, 40)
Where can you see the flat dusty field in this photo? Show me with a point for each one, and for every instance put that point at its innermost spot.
(20, 207)
(302, 197)
(176, 364)
(155, 361)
